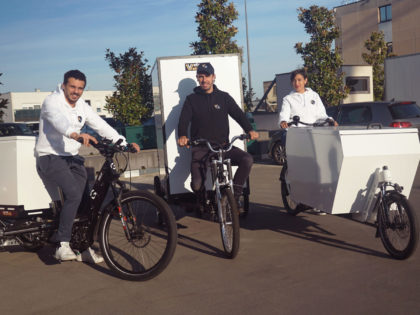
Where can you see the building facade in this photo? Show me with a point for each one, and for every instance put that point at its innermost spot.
(398, 19)
(26, 106)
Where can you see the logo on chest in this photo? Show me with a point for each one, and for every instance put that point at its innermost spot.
(216, 106)
(79, 118)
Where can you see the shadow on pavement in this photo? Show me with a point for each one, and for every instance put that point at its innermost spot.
(264, 217)
(199, 246)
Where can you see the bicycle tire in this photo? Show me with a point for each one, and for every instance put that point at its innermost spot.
(291, 207)
(229, 223)
(398, 226)
(152, 227)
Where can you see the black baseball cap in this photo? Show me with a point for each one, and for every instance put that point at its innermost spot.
(206, 68)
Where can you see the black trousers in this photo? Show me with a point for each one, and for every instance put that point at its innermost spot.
(200, 162)
(68, 173)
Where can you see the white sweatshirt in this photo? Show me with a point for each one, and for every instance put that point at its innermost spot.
(308, 106)
(58, 120)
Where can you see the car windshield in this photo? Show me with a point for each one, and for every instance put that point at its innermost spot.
(403, 110)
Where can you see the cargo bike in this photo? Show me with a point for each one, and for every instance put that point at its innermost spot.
(136, 229)
(362, 172)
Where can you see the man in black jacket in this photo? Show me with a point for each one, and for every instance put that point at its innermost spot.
(208, 110)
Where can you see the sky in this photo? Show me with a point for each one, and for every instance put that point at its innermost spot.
(41, 39)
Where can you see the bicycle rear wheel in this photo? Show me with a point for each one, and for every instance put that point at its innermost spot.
(397, 225)
(152, 239)
(229, 223)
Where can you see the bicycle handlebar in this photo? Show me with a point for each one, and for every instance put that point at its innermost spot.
(227, 148)
(296, 121)
(105, 146)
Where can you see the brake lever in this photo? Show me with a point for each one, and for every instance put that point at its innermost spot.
(130, 148)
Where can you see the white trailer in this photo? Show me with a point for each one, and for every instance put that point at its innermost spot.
(402, 75)
(174, 78)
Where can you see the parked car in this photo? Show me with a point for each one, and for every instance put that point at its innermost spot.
(383, 114)
(34, 127)
(276, 148)
(15, 129)
(364, 114)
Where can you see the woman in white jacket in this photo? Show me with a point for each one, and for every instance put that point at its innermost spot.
(302, 102)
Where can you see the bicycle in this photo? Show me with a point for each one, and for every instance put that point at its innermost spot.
(136, 229)
(221, 196)
(396, 221)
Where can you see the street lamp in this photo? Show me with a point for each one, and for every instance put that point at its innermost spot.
(247, 50)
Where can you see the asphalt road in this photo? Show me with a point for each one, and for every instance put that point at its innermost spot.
(307, 264)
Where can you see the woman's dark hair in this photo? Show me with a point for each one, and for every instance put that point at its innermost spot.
(301, 71)
(76, 74)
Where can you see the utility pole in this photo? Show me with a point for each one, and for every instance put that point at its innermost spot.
(247, 50)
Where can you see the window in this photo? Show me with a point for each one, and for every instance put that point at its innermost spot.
(405, 110)
(358, 84)
(389, 47)
(355, 115)
(98, 109)
(332, 111)
(385, 14)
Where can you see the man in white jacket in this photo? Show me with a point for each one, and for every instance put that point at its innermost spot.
(63, 114)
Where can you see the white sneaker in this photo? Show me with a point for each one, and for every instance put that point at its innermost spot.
(64, 252)
(318, 212)
(89, 256)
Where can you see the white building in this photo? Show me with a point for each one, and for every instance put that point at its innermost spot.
(26, 106)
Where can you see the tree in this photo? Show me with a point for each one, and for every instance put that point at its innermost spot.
(216, 31)
(215, 28)
(248, 95)
(378, 52)
(132, 102)
(3, 104)
(322, 63)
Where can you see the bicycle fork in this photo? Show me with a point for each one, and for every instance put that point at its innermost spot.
(122, 216)
(221, 177)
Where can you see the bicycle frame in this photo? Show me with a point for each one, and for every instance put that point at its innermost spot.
(381, 196)
(221, 169)
(107, 176)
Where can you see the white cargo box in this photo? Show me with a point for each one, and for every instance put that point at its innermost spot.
(332, 169)
(20, 184)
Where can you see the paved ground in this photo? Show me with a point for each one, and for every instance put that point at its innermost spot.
(306, 264)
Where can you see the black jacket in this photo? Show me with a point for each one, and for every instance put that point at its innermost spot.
(209, 115)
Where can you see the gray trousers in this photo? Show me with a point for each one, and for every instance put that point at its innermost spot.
(68, 173)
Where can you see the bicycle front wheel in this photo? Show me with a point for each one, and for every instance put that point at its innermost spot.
(397, 225)
(229, 223)
(289, 204)
(142, 248)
